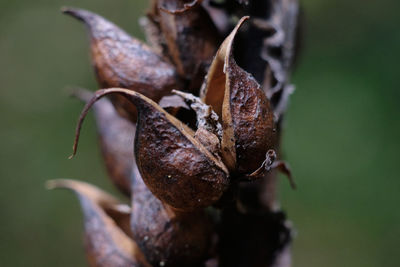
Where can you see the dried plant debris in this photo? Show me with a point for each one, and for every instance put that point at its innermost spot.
(116, 140)
(279, 49)
(190, 127)
(106, 243)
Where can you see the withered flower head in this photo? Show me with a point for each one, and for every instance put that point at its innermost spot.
(182, 168)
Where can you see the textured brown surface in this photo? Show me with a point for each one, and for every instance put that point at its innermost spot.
(190, 35)
(247, 118)
(165, 236)
(168, 237)
(253, 121)
(122, 61)
(177, 168)
(184, 166)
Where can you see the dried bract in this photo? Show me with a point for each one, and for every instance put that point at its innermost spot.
(122, 61)
(116, 140)
(106, 244)
(190, 35)
(247, 118)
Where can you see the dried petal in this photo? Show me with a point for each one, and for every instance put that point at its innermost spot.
(122, 61)
(165, 235)
(191, 36)
(116, 140)
(106, 244)
(176, 167)
(247, 119)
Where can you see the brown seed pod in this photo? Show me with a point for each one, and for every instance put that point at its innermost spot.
(175, 166)
(247, 118)
(122, 61)
(106, 244)
(168, 237)
(190, 35)
(116, 140)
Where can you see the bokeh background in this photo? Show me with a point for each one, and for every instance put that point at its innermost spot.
(341, 138)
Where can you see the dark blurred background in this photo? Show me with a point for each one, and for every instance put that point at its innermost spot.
(341, 138)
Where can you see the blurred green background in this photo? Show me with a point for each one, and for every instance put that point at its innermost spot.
(341, 134)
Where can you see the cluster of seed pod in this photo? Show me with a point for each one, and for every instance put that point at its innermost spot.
(183, 128)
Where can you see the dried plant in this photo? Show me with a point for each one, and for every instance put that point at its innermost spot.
(191, 134)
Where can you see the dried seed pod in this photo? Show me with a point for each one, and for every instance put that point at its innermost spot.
(175, 166)
(167, 237)
(122, 61)
(106, 244)
(116, 140)
(190, 34)
(247, 118)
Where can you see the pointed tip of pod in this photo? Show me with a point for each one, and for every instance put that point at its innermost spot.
(95, 97)
(227, 44)
(82, 189)
(51, 184)
(64, 184)
(77, 13)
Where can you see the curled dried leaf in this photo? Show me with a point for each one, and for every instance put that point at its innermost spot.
(280, 46)
(122, 61)
(267, 165)
(284, 168)
(175, 166)
(247, 118)
(116, 140)
(190, 35)
(106, 243)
